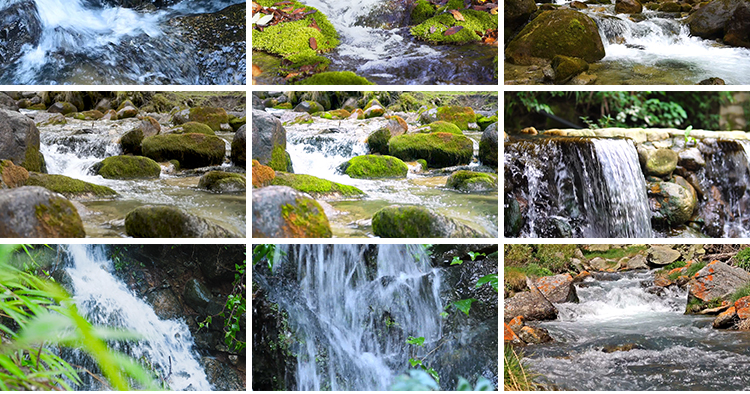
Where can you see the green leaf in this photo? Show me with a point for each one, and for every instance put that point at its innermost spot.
(432, 373)
(491, 279)
(463, 384)
(484, 384)
(456, 261)
(415, 341)
(415, 362)
(443, 314)
(464, 305)
(474, 255)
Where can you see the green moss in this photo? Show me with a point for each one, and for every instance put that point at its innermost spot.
(59, 219)
(484, 121)
(443, 127)
(194, 127)
(192, 150)
(308, 58)
(127, 167)
(336, 114)
(423, 163)
(377, 142)
(474, 21)
(220, 181)
(402, 222)
(470, 181)
(459, 116)
(422, 11)
(37, 107)
(34, 160)
(306, 219)
(376, 166)
(212, 117)
(335, 78)
(67, 186)
(313, 185)
(236, 122)
(438, 149)
(280, 160)
(286, 105)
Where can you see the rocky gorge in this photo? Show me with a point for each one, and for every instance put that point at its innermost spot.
(387, 164)
(139, 164)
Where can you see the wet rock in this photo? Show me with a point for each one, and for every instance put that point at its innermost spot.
(557, 288)
(19, 141)
(738, 27)
(620, 348)
(374, 166)
(488, 146)
(377, 142)
(19, 26)
(310, 107)
(127, 167)
(374, 112)
(534, 335)
(635, 262)
(282, 212)
(726, 319)
(131, 142)
(716, 280)
(151, 221)
(109, 115)
(12, 175)
(670, 203)
(516, 13)
(510, 336)
(670, 6)
(712, 81)
(197, 295)
(164, 302)
(513, 220)
(35, 212)
(191, 150)
(62, 107)
(222, 182)
(316, 187)
(742, 306)
(396, 125)
(396, 221)
(222, 376)
(659, 255)
(239, 148)
(470, 181)
(711, 20)
(712, 212)
(68, 187)
(438, 149)
(428, 116)
(126, 112)
(149, 126)
(566, 67)
(628, 6)
(691, 159)
(269, 142)
(530, 305)
(658, 162)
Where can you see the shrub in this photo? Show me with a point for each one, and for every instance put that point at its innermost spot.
(742, 259)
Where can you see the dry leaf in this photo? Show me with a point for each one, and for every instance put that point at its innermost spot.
(308, 67)
(457, 15)
(313, 43)
(453, 30)
(282, 3)
(256, 70)
(291, 75)
(493, 11)
(288, 9)
(433, 29)
(256, 7)
(314, 24)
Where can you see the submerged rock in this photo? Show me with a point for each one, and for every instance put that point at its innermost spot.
(398, 221)
(169, 222)
(282, 212)
(35, 212)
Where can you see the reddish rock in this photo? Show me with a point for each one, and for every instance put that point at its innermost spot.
(516, 323)
(558, 288)
(717, 280)
(534, 335)
(510, 336)
(744, 325)
(743, 307)
(581, 276)
(726, 319)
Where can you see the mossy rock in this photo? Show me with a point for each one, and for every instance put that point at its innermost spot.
(375, 166)
(557, 32)
(88, 115)
(484, 121)
(211, 117)
(37, 212)
(422, 163)
(398, 221)
(335, 78)
(127, 167)
(286, 105)
(309, 106)
(37, 107)
(377, 142)
(459, 116)
(12, 175)
(125, 103)
(262, 175)
(470, 181)
(193, 127)
(62, 107)
(169, 222)
(442, 126)
(567, 67)
(280, 159)
(336, 114)
(422, 11)
(282, 212)
(68, 187)
(473, 22)
(314, 186)
(222, 182)
(438, 149)
(191, 150)
(131, 142)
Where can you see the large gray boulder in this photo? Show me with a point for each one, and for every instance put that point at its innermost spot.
(19, 141)
(20, 26)
(659, 255)
(531, 305)
(283, 212)
(557, 288)
(35, 212)
(717, 280)
(269, 142)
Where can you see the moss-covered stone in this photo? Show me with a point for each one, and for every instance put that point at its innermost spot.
(438, 149)
(62, 107)
(67, 186)
(306, 219)
(459, 116)
(336, 114)
(357, 114)
(567, 67)
(422, 163)
(12, 175)
(222, 182)
(442, 126)
(309, 106)
(314, 186)
(484, 121)
(280, 159)
(335, 78)
(422, 11)
(282, 212)
(375, 166)
(37, 107)
(193, 127)
(210, 116)
(88, 115)
(474, 21)
(397, 221)
(127, 167)
(377, 142)
(131, 142)
(470, 181)
(169, 222)
(262, 175)
(191, 150)
(236, 122)
(286, 105)
(34, 159)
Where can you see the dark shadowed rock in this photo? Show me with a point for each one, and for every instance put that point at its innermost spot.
(19, 141)
(35, 212)
(169, 222)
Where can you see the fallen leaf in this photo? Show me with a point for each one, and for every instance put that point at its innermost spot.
(288, 9)
(314, 24)
(433, 29)
(256, 70)
(313, 43)
(493, 11)
(457, 15)
(453, 30)
(308, 67)
(291, 75)
(256, 7)
(282, 3)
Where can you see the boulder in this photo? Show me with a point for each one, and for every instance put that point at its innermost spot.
(316, 187)
(222, 182)
(130, 142)
(396, 125)
(711, 20)
(151, 221)
(441, 126)
(557, 288)
(239, 148)
(282, 212)
(566, 67)
(127, 167)
(716, 280)
(311, 107)
(488, 146)
(149, 126)
(632, 263)
(127, 111)
(19, 141)
(12, 175)
(438, 149)
(470, 181)
(670, 203)
(531, 305)
(628, 7)
(600, 264)
(374, 112)
(193, 127)
(374, 166)
(396, 221)
(191, 150)
(691, 159)
(269, 142)
(659, 255)
(516, 13)
(21, 27)
(35, 212)
(377, 142)
(459, 116)
(726, 319)
(428, 116)
(62, 107)
(262, 175)
(69, 187)
(658, 162)
(737, 30)
(556, 32)
(210, 116)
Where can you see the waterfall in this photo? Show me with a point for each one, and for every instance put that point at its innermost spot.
(167, 345)
(351, 313)
(580, 187)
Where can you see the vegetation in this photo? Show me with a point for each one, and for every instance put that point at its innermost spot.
(743, 291)
(742, 259)
(695, 267)
(515, 375)
(616, 253)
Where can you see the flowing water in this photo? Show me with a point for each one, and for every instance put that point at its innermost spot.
(72, 149)
(319, 154)
(580, 187)
(167, 345)
(376, 45)
(90, 42)
(669, 350)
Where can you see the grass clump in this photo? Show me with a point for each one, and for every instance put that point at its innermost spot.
(743, 291)
(617, 253)
(742, 259)
(694, 268)
(515, 376)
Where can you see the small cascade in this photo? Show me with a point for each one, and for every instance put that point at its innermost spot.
(73, 154)
(167, 345)
(579, 187)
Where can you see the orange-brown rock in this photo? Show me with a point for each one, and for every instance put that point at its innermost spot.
(262, 175)
(516, 323)
(558, 288)
(717, 280)
(743, 307)
(581, 276)
(726, 319)
(534, 335)
(509, 335)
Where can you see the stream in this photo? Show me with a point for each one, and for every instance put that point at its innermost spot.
(319, 155)
(72, 149)
(390, 55)
(671, 351)
(89, 42)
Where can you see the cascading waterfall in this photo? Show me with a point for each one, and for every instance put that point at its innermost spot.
(580, 187)
(352, 316)
(167, 345)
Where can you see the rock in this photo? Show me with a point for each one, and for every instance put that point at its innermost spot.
(222, 376)
(282, 212)
(211, 117)
(459, 116)
(670, 203)
(428, 116)
(488, 146)
(396, 125)
(239, 148)
(534, 335)
(19, 141)
(222, 182)
(149, 126)
(558, 288)
(269, 142)
(441, 126)
(742, 306)
(127, 167)
(377, 142)
(396, 221)
(316, 187)
(11, 175)
(438, 149)
(737, 29)
(262, 175)
(127, 111)
(236, 122)
(516, 13)
(578, 5)
(659, 255)
(716, 280)
(531, 305)
(712, 81)
(374, 166)
(6, 102)
(559, 32)
(684, 183)
(68, 187)
(35, 212)
(109, 115)
(470, 181)
(62, 107)
(130, 142)
(600, 264)
(193, 127)
(670, 6)
(513, 220)
(433, 29)
(599, 248)
(567, 67)
(196, 295)
(151, 221)
(510, 336)
(311, 107)
(658, 162)
(191, 150)
(628, 7)
(691, 159)
(21, 27)
(636, 262)
(711, 20)
(374, 112)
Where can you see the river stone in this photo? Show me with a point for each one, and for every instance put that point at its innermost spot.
(258, 103)
(69, 187)
(534, 335)
(62, 107)
(239, 148)
(438, 149)
(529, 304)
(196, 295)
(628, 7)
(470, 181)
(269, 142)
(670, 203)
(374, 112)
(222, 182)
(149, 126)
(428, 116)
(558, 288)
(635, 262)
(717, 280)
(127, 111)
(711, 20)
(726, 319)
(19, 141)
(130, 142)
(35, 212)
(488, 146)
(513, 219)
(691, 159)
(558, 32)
(374, 166)
(7, 102)
(510, 336)
(742, 306)
(396, 221)
(191, 150)
(309, 106)
(516, 13)
(567, 67)
(151, 221)
(127, 167)
(282, 212)
(712, 213)
(210, 116)
(12, 175)
(377, 142)
(262, 175)
(738, 28)
(659, 255)
(658, 162)
(600, 264)
(684, 183)
(21, 27)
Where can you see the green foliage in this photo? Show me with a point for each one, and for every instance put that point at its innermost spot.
(743, 291)
(673, 265)
(418, 341)
(616, 253)
(742, 259)
(235, 307)
(515, 375)
(267, 252)
(474, 255)
(464, 305)
(491, 279)
(695, 267)
(456, 261)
